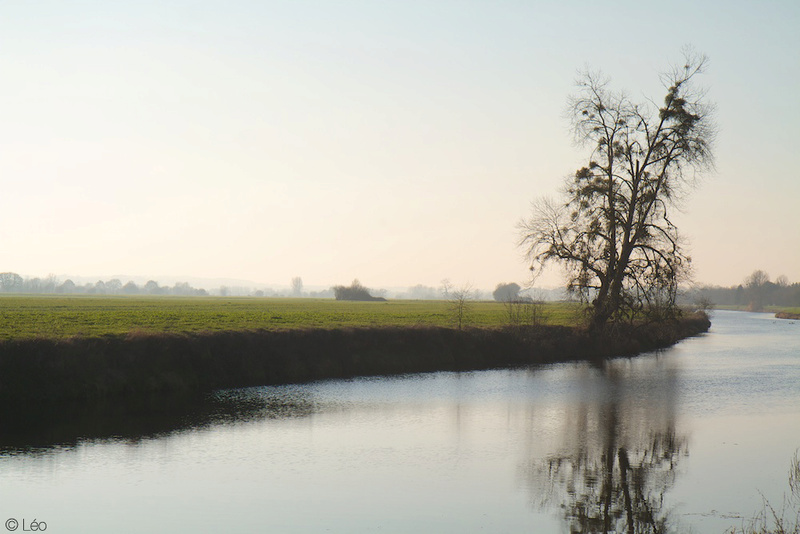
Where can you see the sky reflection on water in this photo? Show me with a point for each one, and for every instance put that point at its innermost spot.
(680, 439)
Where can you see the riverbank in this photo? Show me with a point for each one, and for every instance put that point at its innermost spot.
(138, 364)
(780, 313)
(69, 316)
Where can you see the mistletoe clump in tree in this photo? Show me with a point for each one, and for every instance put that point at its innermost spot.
(613, 232)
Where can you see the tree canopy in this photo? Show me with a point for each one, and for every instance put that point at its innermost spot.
(612, 230)
(506, 292)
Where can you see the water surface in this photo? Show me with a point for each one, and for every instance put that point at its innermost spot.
(679, 440)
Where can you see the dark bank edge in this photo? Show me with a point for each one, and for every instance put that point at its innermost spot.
(45, 371)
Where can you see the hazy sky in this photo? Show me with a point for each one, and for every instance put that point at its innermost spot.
(398, 142)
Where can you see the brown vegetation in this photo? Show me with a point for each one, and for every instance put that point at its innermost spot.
(41, 370)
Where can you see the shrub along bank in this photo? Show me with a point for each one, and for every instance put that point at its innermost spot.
(42, 370)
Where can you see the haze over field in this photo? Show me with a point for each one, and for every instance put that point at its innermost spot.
(397, 142)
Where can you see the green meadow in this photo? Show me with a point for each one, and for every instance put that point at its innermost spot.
(58, 317)
(775, 309)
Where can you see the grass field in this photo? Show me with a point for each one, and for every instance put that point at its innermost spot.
(55, 317)
(786, 313)
(795, 310)
(767, 309)
(78, 348)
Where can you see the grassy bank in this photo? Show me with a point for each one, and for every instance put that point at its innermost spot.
(781, 312)
(63, 317)
(175, 359)
(788, 313)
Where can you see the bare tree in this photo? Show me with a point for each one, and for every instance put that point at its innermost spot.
(461, 299)
(756, 279)
(421, 292)
(297, 286)
(528, 309)
(613, 231)
(756, 288)
(11, 282)
(50, 283)
(113, 286)
(33, 285)
(182, 288)
(446, 286)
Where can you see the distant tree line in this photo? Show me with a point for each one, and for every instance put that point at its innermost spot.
(755, 293)
(14, 283)
(421, 292)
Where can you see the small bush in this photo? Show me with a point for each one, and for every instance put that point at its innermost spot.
(785, 520)
(354, 291)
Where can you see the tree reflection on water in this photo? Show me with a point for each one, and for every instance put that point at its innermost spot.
(46, 427)
(619, 453)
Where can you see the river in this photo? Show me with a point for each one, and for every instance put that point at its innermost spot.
(683, 440)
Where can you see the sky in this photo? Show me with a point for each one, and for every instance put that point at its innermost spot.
(397, 142)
